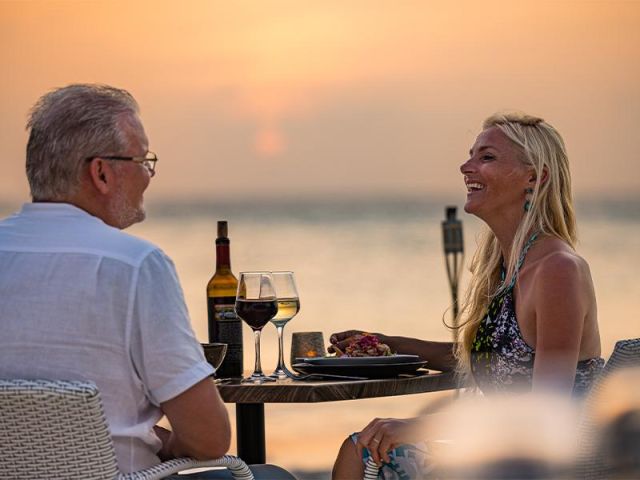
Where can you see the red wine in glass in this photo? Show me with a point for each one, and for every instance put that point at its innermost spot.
(256, 304)
(257, 313)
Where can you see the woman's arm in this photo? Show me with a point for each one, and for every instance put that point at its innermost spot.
(438, 354)
(561, 297)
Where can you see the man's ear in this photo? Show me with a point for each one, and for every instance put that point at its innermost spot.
(101, 175)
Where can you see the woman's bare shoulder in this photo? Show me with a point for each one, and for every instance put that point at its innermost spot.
(557, 262)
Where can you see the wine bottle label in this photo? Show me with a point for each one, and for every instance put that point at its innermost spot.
(224, 313)
(232, 365)
(226, 327)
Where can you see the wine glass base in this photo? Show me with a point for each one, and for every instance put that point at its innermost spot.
(281, 373)
(261, 378)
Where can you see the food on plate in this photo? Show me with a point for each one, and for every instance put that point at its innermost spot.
(364, 345)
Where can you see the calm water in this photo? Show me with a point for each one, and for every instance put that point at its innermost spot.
(373, 265)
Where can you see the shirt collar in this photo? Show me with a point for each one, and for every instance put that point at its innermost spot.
(56, 209)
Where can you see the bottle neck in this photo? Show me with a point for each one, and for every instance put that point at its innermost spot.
(223, 257)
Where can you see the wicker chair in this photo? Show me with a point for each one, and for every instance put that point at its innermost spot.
(58, 430)
(591, 462)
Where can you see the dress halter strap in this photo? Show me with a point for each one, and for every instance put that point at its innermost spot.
(525, 249)
(483, 338)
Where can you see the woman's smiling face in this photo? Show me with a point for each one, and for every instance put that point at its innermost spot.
(495, 176)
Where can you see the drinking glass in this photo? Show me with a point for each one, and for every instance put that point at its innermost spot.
(215, 353)
(256, 304)
(288, 307)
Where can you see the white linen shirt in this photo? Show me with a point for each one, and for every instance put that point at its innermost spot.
(80, 300)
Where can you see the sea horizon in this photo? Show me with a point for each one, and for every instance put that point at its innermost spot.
(317, 206)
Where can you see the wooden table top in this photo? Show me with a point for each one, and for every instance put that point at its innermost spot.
(296, 391)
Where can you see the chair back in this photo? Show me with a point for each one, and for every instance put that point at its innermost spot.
(592, 463)
(54, 429)
(625, 354)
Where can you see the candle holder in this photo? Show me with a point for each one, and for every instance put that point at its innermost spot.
(306, 345)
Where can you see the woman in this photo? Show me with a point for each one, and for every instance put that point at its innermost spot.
(529, 319)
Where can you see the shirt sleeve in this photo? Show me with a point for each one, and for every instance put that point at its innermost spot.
(166, 355)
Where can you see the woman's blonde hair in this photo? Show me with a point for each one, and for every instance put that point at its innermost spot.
(550, 213)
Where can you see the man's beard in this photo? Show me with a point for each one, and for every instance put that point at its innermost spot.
(125, 214)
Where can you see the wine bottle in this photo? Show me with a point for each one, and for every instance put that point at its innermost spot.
(224, 325)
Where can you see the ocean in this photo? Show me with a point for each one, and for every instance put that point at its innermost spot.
(371, 264)
(375, 265)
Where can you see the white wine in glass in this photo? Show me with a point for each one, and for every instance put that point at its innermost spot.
(288, 307)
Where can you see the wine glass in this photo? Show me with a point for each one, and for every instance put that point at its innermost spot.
(256, 304)
(288, 307)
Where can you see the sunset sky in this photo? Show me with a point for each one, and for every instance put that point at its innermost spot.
(333, 97)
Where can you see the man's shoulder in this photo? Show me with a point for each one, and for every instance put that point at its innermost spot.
(64, 229)
(121, 245)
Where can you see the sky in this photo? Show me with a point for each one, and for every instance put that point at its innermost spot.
(270, 98)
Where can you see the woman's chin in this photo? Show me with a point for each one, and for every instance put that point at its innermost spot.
(469, 207)
(474, 208)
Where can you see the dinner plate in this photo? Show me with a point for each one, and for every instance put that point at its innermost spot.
(382, 360)
(381, 370)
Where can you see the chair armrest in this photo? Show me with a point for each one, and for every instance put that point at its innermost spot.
(239, 469)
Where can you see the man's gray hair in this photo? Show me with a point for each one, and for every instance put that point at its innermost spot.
(69, 125)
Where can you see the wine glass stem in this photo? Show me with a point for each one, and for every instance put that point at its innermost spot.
(258, 368)
(280, 366)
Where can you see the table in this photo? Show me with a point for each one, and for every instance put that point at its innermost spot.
(250, 399)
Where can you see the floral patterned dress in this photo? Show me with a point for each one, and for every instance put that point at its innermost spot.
(501, 360)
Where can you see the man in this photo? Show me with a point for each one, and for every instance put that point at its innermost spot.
(82, 300)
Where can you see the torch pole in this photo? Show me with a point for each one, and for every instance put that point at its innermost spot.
(453, 244)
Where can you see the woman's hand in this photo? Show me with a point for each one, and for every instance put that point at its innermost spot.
(439, 354)
(340, 340)
(385, 434)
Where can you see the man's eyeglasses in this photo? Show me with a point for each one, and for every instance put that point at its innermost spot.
(149, 160)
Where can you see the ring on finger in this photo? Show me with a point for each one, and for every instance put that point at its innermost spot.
(375, 440)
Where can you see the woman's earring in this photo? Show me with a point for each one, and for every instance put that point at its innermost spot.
(527, 203)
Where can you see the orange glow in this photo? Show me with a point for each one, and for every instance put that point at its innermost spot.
(269, 142)
(272, 55)
(394, 84)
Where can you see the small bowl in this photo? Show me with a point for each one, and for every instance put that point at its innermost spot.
(214, 353)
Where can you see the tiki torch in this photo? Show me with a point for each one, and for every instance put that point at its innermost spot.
(453, 256)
